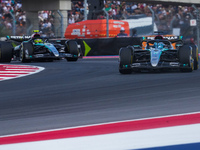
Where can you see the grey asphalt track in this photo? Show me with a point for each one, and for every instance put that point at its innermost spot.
(91, 91)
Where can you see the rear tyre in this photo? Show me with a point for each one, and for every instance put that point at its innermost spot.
(26, 50)
(6, 52)
(72, 47)
(185, 59)
(195, 56)
(125, 58)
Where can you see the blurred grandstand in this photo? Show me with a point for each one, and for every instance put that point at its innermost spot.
(167, 17)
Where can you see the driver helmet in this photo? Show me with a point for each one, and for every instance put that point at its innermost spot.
(160, 45)
(36, 35)
(38, 41)
(155, 45)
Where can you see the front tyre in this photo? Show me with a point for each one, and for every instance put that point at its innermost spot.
(26, 51)
(72, 48)
(6, 50)
(195, 56)
(185, 59)
(125, 60)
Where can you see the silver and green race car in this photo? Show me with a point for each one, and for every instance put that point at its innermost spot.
(158, 54)
(34, 47)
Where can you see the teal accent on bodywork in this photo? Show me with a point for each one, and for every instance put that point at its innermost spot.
(47, 45)
(50, 47)
(155, 55)
(136, 46)
(39, 44)
(160, 53)
(164, 49)
(125, 66)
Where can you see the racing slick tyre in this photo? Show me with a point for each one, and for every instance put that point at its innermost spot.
(125, 59)
(72, 47)
(6, 50)
(195, 56)
(185, 59)
(26, 50)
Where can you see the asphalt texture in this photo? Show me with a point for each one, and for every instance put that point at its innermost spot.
(92, 91)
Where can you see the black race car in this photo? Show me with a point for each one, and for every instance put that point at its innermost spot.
(36, 48)
(158, 54)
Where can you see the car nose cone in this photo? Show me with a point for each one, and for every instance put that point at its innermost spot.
(155, 57)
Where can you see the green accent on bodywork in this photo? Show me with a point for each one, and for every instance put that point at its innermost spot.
(87, 48)
(13, 44)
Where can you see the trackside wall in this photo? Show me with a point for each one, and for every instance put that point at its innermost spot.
(104, 46)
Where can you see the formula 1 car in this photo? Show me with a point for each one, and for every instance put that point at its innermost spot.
(37, 48)
(158, 54)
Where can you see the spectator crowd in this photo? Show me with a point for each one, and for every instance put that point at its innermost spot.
(46, 23)
(166, 16)
(8, 10)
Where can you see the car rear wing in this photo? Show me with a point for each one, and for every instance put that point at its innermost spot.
(176, 41)
(166, 37)
(19, 38)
